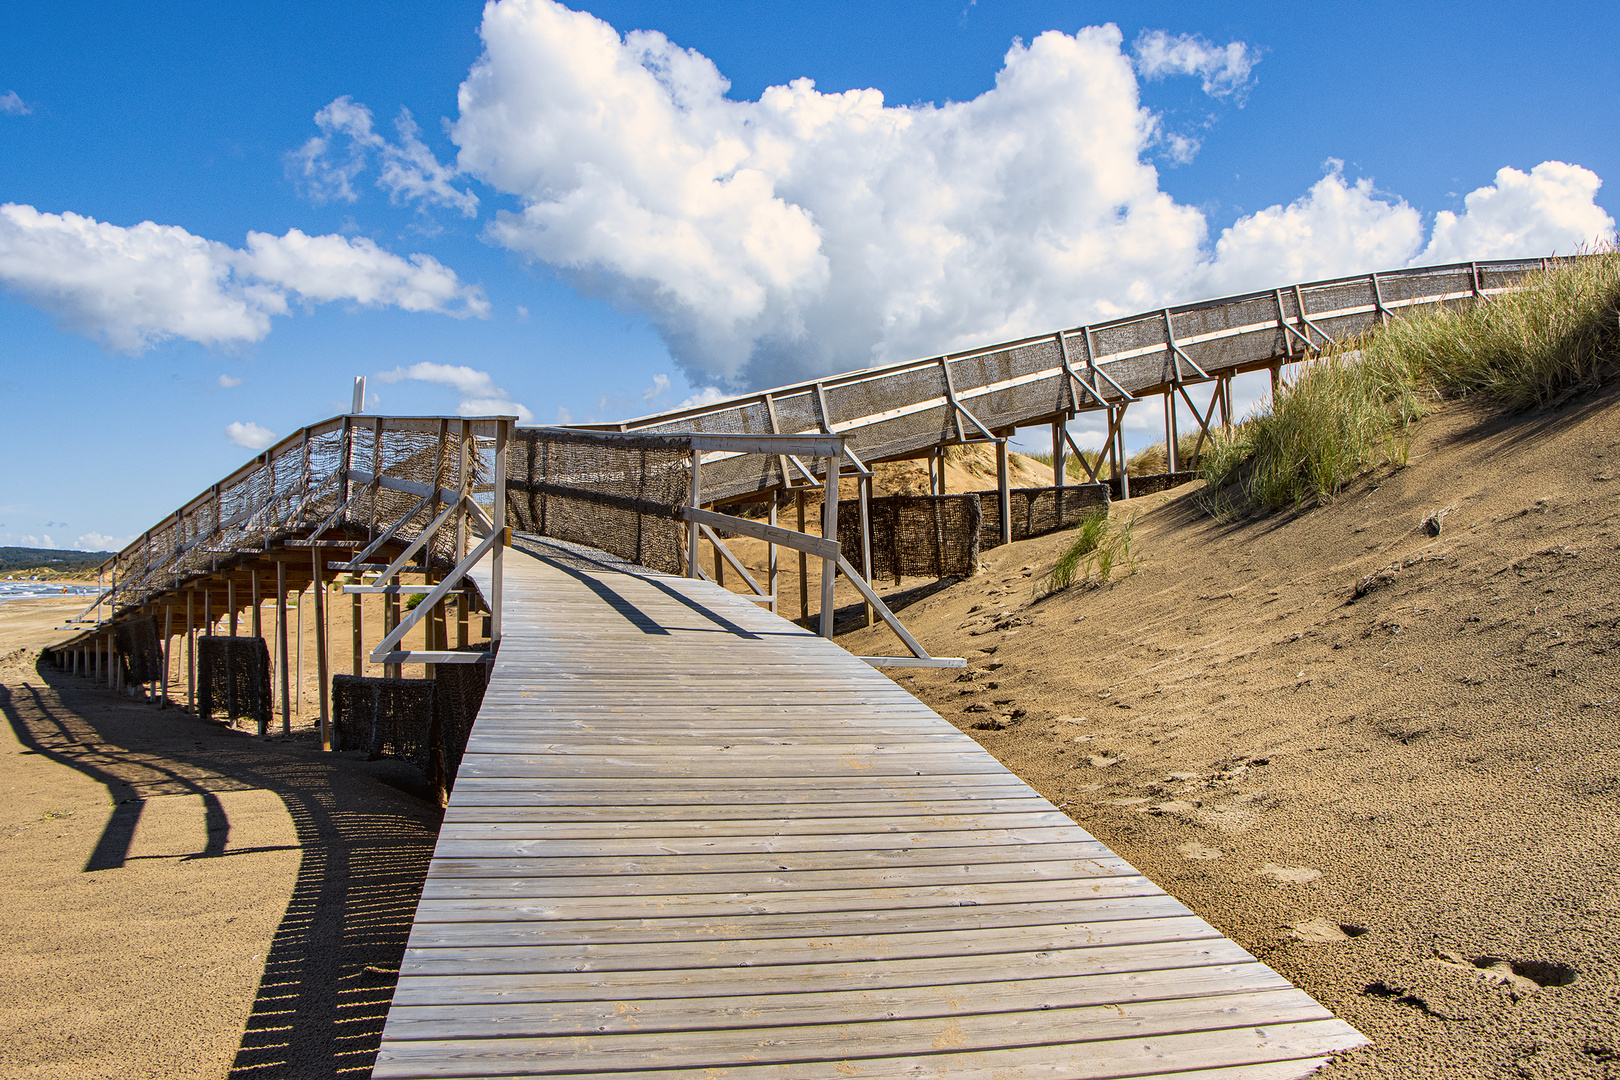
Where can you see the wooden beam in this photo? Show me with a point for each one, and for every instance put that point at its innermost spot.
(281, 648)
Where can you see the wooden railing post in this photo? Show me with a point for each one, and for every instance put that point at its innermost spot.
(695, 501)
(829, 530)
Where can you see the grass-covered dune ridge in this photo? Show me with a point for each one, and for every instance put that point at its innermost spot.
(1352, 409)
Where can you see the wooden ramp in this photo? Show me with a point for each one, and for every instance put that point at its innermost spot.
(690, 839)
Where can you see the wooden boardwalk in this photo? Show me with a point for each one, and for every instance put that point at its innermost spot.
(690, 839)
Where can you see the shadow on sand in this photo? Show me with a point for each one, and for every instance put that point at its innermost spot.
(365, 838)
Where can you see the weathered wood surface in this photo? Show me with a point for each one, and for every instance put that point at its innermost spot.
(689, 839)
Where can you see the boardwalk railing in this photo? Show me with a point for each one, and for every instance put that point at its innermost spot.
(583, 467)
(903, 410)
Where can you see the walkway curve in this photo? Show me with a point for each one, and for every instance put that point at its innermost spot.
(690, 839)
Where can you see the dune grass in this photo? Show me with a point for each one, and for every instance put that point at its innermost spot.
(1353, 409)
(1100, 547)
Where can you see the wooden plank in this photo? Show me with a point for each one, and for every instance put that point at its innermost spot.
(704, 841)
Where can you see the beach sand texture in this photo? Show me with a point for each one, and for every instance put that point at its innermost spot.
(1407, 803)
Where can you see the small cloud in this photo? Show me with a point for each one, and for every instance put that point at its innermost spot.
(227, 382)
(708, 395)
(94, 541)
(406, 169)
(479, 394)
(522, 313)
(13, 105)
(249, 435)
(1180, 149)
(1226, 69)
(564, 416)
(659, 387)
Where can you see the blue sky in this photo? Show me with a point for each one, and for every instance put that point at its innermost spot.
(605, 229)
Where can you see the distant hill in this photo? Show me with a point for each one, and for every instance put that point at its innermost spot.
(13, 559)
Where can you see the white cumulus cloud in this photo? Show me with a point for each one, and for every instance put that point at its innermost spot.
(95, 541)
(227, 382)
(1534, 213)
(13, 105)
(807, 233)
(328, 164)
(479, 394)
(1225, 69)
(131, 287)
(249, 435)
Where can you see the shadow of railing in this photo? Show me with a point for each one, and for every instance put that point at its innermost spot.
(329, 976)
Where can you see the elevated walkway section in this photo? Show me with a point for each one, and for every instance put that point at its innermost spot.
(691, 839)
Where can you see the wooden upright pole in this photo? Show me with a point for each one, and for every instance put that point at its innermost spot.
(498, 555)
(356, 621)
(804, 563)
(281, 647)
(230, 601)
(864, 486)
(829, 529)
(319, 589)
(1004, 490)
(1172, 435)
(771, 559)
(253, 583)
(391, 620)
(168, 653)
(191, 651)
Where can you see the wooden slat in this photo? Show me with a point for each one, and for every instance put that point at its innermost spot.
(689, 839)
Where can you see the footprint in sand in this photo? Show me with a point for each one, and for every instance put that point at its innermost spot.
(1293, 875)
(1322, 931)
(1192, 849)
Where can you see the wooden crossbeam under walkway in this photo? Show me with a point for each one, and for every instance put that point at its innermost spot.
(690, 839)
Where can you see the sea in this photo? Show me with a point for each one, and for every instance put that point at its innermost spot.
(23, 589)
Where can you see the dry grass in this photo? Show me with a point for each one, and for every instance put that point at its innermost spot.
(1352, 410)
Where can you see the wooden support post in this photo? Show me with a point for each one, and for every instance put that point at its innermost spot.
(771, 559)
(298, 665)
(1004, 490)
(1226, 404)
(112, 665)
(281, 647)
(864, 486)
(1276, 379)
(1060, 464)
(695, 500)
(719, 569)
(1124, 465)
(357, 624)
(208, 613)
(258, 621)
(498, 555)
(391, 620)
(319, 589)
(1172, 435)
(829, 529)
(95, 659)
(168, 653)
(230, 599)
(804, 563)
(191, 652)
(463, 602)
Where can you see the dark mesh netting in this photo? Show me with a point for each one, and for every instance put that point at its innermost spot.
(233, 678)
(1153, 483)
(915, 535)
(458, 693)
(1036, 511)
(383, 717)
(140, 650)
(618, 499)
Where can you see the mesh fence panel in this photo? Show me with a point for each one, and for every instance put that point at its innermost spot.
(1152, 483)
(140, 650)
(383, 717)
(458, 693)
(915, 535)
(1036, 511)
(620, 499)
(233, 678)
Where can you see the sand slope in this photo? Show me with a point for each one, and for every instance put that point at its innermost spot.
(1409, 804)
